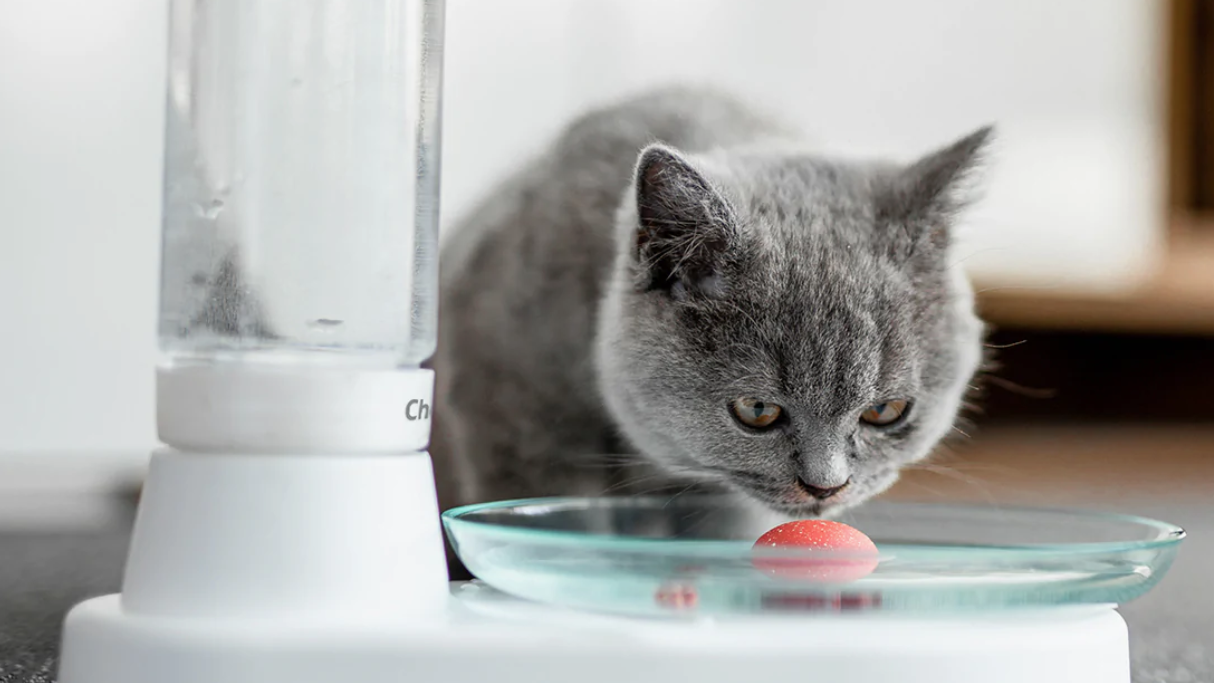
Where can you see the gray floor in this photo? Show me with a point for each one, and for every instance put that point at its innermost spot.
(1172, 628)
(43, 573)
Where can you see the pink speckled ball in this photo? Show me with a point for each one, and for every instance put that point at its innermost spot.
(857, 553)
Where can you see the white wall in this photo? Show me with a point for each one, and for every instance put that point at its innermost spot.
(1074, 199)
(80, 122)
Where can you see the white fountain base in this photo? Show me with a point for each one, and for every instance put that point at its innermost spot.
(330, 568)
(488, 637)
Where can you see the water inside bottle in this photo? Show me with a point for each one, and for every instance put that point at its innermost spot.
(301, 183)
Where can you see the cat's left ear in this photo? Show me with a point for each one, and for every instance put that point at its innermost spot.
(684, 226)
(933, 189)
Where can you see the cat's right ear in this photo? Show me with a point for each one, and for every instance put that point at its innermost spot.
(684, 226)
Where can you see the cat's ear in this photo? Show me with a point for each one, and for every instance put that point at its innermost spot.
(684, 226)
(932, 190)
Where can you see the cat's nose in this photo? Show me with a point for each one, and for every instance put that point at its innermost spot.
(821, 492)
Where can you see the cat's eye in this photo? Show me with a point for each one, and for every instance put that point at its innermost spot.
(756, 414)
(885, 413)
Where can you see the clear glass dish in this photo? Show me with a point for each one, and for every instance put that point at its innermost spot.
(693, 556)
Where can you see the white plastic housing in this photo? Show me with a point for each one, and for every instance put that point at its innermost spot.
(303, 538)
(252, 408)
(513, 642)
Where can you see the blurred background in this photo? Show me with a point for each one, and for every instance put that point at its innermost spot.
(1093, 250)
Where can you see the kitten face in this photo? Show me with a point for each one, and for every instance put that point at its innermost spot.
(789, 326)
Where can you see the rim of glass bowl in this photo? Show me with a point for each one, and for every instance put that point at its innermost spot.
(1167, 534)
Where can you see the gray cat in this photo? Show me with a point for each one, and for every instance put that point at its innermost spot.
(677, 292)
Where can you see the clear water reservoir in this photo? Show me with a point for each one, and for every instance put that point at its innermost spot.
(301, 183)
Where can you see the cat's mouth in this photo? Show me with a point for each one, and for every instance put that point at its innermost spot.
(797, 511)
(791, 499)
(824, 509)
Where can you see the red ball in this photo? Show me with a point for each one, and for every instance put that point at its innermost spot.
(846, 554)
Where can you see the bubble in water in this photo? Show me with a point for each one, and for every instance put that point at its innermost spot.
(210, 211)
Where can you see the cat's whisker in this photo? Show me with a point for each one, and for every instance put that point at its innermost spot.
(604, 465)
(944, 470)
(1019, 389)
(986, 468)
(636, 479)
(632, 481)
(953, 473)
(610, 460)
(962, 465)
(972, 254)
(936, 493)
(687, 488)
(654, 489)
(670, 476)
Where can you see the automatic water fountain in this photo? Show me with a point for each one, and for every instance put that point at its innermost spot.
(289, 529)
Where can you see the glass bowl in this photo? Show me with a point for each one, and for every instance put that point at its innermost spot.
(694, 555)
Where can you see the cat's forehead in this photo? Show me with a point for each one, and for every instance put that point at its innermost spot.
(816, 287)
(769, 183)
(830, 344)
(829, 310)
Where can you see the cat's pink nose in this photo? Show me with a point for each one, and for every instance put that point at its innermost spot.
(821, 493)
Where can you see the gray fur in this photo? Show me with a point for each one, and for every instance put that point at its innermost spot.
(672, 253)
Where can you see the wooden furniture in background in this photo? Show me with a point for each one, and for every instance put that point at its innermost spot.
(1179, 299)
(1065, 465)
